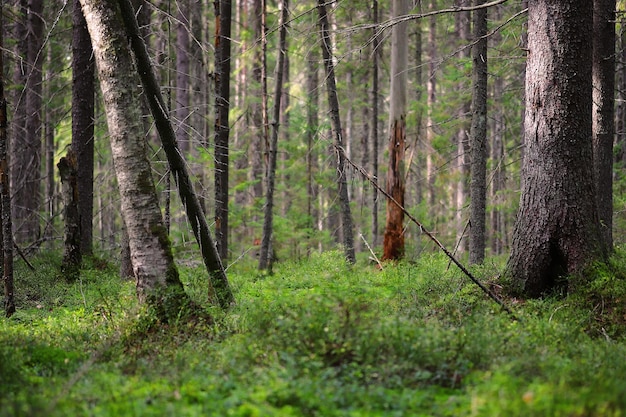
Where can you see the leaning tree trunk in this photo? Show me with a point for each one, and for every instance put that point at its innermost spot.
(333, 103)
(557, 229)
(393, 244)
(219, 287)
(478, 138)
(153, 263)
(265, 258)
(603, 111)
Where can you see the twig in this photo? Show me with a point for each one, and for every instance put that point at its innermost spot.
(371, 251)
(19, 251)
(432, 237)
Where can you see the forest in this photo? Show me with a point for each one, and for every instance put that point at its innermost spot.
(331, 208)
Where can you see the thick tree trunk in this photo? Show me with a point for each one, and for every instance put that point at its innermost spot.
(603, 111)
(83, 101)
(265, 258)
(478, 137)
(223, 9)
(557, 229)
(333, 104)
(218, 285)
(393, 244)
(153, 263)
(72, 256)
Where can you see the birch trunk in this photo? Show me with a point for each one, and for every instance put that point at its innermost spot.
(153, 263)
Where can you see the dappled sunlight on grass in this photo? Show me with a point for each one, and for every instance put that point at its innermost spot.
(317, 338)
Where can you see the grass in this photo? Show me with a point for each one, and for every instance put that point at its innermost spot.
(317, 338)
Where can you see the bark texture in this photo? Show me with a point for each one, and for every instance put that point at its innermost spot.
(557, 229)
(6, 234)
(603, 111)
(393, 244)
(153, 263)
(333, 103)
(25, 146)
(478, 137)
(72, 257)
(219, 288)
(222, 128)
(83, 93)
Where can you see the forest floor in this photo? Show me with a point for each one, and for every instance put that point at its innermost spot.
(316, 338)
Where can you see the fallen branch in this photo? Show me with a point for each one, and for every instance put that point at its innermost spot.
(432, 237)
(371, 251)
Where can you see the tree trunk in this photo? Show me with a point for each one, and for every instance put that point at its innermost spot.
(557, 229)
(153, 264)
(463, 25)
(83, 101)
(603, 111)
(72, 257)
(311, 137)
(182, 109)
(223, 10)
(478, 137)
(394, 230)
(6, 234)
(374, 126)
(218, 285)
(333, 104)
(265, 258)
(430, 103)
(26, 144)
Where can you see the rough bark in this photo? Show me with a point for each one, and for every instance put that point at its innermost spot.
(6, 234)
(258, 105)
(83, 99)
(26, 144)
(478, 138)
(218, 285)
(393, 245)
(557, 229)
(333, 104)
(153, 264)
(603, 111)
(223, 10)
(72, 256)
(265, 258)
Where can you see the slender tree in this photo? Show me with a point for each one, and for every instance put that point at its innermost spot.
(603, 111)
(265, 258)
(374, 125)
(25, 147)
(183, 70)
(223, 10)
(83, 99)
(557, 230)
(333, 104)
(394, 230)
(6, 234)
(478, 137)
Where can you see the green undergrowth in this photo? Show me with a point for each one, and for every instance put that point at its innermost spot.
(316, 338)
